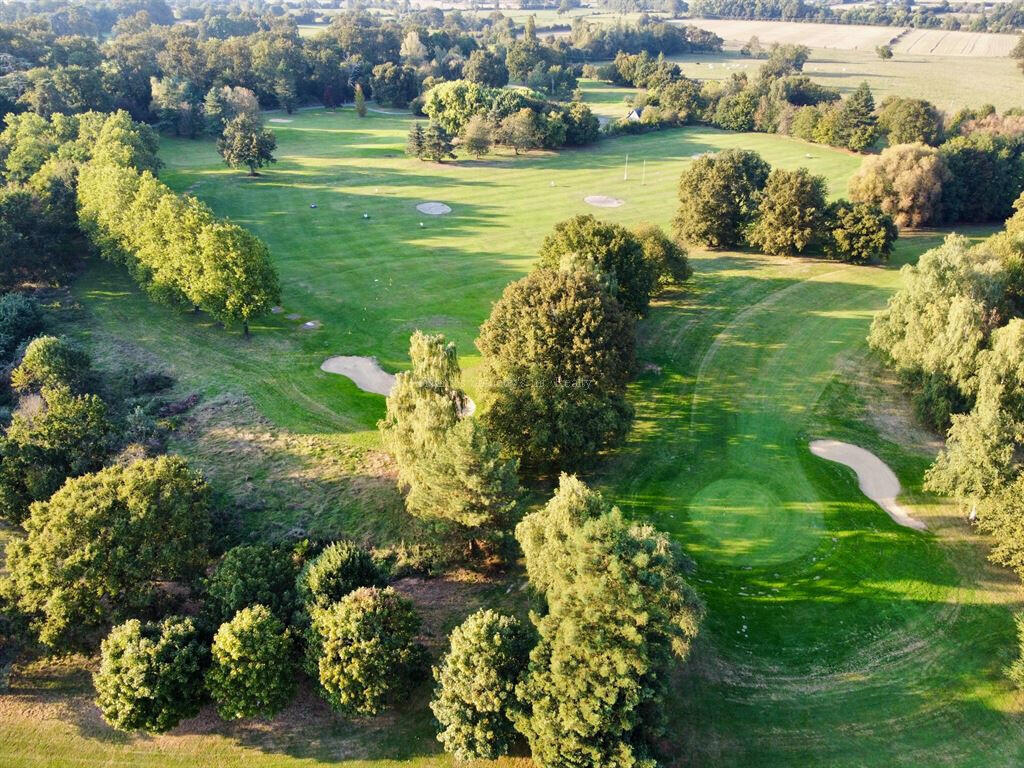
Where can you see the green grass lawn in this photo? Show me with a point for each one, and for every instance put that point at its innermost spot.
(833, 637)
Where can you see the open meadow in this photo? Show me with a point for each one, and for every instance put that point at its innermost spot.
(833, 636)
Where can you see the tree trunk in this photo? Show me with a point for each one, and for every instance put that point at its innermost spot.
(245, 328)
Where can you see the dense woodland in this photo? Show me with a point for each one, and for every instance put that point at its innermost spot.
(124, 553)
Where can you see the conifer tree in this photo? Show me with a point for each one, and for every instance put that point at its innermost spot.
(437, 144)
(415, 143)
(857, 117)
(360, 101)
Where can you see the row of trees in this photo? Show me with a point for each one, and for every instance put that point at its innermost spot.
(735, 198)
(955, 333)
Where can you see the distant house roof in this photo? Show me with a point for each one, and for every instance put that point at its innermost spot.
(634, 115)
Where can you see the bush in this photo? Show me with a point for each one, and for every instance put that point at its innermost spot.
(20, 319)
(366, 652)
(151, 675)
(342, 567)
(251, 574)
(665, 255)
(50, 361)
(558, 352)
(476, 682)
(252, 670)
(718, 197)
(859, 233)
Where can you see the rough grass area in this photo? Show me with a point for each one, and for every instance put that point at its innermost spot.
(833, 638)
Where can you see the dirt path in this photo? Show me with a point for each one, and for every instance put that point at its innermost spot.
(876, 480)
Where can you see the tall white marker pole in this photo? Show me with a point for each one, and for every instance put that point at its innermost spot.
(625, 172)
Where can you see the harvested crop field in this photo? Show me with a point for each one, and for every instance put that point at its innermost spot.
(939, 42)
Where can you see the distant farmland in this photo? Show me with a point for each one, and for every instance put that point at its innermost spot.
(852, 37)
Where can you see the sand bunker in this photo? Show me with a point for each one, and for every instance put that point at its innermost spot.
(366, 373)
(602, 201)
(433, 209)
(876, 480)
(278, 120)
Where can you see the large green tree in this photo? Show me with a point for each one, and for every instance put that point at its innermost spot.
(341, 568)
(718, 196)
(859, 233)
(245, 142)
(619, 616)
(614, 252)
(906, 181)
(97, 551)
(909, 120)
(558, 352)
(790, 213)
(249, 574)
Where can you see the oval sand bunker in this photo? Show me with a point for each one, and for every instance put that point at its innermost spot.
(603, 201)
(433, 209)
(874, 477)
(366, 373)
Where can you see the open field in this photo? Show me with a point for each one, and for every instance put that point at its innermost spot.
(950, 82)
(861, 37)
(834, 637)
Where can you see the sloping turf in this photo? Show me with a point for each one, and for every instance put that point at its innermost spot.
(833, 638)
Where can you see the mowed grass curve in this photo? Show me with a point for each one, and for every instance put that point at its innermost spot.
(833, 637)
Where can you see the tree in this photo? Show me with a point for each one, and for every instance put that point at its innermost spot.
(581, 126)
(437, 144)
(68, 436)
(413, 48)
(857, 116)
(486, 68)
(394, 85)
(477, 138)
(341, 568)
(249, 574)
(557, 353)
(859, 233)
(905, 181)
(884, 52)
(95, 552)
(908, 121)
(52, 361)
(666, 256)
(366, 650)
(360, 100)
(618, 611)
(1018, 52)
(252, 672)
(20, 318)
(224, 104)
(246, 142)
(151, 675)
(791, 212)
(612, 251)
(476, 685)
(414, 145)
(986, 174)
(520, 131)
(718, 197)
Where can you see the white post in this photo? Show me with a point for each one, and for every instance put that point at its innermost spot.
(625, 172)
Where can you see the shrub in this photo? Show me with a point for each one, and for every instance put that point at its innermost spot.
(252, 670)
(341, 568)
(50, 361)
(249, 574)
(366, 650)
(20, 319)
(859, 233)
(476, 683)
(665, 255)
(151, 675)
